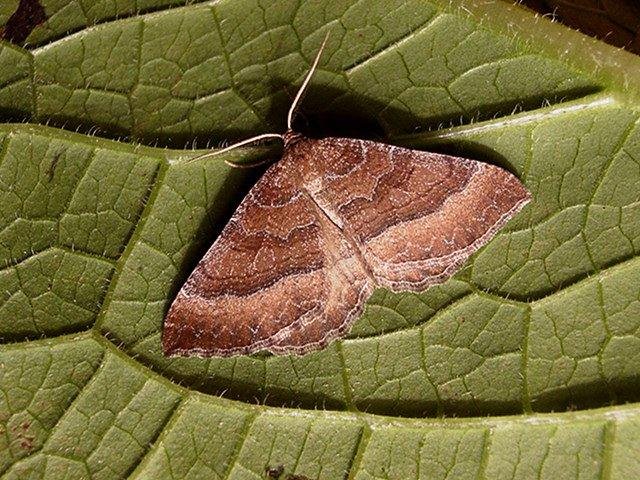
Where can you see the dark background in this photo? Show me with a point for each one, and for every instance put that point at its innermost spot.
(615, 21)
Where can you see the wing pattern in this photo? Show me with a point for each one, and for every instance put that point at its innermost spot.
(415, 216)
(321, 229)
(279, 278)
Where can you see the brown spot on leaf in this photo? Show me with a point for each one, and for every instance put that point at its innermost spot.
(274, 472)
(51, 170)
(26, 443)
(28, 15)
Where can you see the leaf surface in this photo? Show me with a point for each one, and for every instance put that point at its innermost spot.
(97, 236)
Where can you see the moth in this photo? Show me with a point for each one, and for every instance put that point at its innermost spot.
(324, 226)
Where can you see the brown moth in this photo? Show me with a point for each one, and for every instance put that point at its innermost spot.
(324, 226)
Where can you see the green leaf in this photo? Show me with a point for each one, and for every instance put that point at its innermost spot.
(97, 236)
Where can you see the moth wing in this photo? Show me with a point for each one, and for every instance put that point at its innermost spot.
(415, 216)
(280, 277)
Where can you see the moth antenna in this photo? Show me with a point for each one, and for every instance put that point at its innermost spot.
(257, 138)
(248, 165)
(264, 136)
(312, 70)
